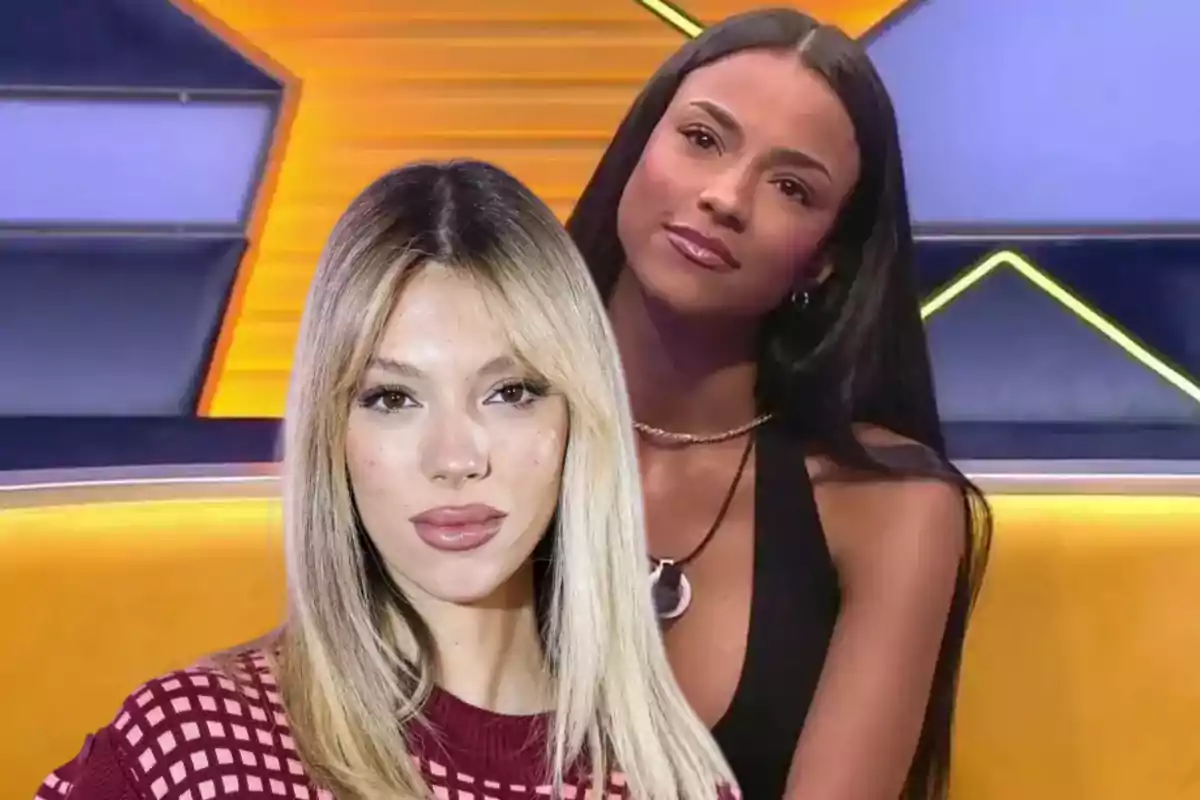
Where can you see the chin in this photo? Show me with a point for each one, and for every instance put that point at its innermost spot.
(702, 295)
(475, 585)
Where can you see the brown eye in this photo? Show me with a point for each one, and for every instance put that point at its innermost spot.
(513, 393)
(793, 189)
(701, 138)
(519, 394)
(387, 400)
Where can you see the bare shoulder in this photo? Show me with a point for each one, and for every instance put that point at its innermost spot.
(908, 524)
(897, 543)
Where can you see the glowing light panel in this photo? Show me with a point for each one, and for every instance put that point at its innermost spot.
(1070, 302)
(1035, 114)
(129, 162)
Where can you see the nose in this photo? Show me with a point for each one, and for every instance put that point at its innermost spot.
(454, 450)
(724, 199)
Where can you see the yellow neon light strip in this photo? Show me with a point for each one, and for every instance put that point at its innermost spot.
(963, 282)
(673, 16)
(1073, 304)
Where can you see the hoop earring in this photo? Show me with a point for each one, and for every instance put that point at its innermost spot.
(799, 300)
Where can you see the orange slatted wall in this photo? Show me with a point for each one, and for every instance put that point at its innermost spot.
(536, 86)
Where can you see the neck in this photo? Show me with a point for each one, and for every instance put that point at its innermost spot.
(489, 653)
(685, 375)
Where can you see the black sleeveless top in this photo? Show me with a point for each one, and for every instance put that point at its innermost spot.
(793, 608)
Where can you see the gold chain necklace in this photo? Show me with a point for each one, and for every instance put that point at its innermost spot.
(669, 585)
(700, 438)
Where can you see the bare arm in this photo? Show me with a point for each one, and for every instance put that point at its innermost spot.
(897, 547)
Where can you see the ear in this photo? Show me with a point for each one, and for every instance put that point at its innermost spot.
(815, 273)
(824, 271)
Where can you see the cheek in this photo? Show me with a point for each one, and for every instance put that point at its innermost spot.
(787, 245)
(376, 462)
(651, 192)
(535, 464)
(547, 451)
(656, 178)
(362, 456)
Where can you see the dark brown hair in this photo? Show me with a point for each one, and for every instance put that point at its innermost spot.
(857, 353)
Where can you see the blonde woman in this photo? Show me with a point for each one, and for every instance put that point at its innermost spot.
(468, 609)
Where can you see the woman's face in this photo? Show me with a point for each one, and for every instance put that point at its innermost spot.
(454, 450)
(739, 186)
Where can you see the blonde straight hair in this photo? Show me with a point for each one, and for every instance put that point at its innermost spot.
(352, 645)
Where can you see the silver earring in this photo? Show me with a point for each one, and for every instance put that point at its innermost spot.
(799, 300)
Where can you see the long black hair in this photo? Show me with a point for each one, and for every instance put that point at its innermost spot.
(856, 353)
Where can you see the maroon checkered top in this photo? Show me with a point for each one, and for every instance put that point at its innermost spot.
(195, 735)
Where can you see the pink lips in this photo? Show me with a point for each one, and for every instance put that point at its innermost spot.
(704, 251)
(458, 528)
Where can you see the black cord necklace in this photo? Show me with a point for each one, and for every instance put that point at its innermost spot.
(670, 587)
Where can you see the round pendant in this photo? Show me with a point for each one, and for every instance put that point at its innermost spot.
(670, 588)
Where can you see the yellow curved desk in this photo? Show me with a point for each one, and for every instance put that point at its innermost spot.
(1081, 679)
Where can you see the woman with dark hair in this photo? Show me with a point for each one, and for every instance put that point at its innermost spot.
(814, 553)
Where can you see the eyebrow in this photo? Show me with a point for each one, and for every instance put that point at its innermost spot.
(782, 155)
(504, 363)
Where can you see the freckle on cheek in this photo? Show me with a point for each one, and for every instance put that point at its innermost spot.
(553, 451)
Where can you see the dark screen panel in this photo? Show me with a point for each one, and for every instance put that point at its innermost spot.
(1007, 352)
(1150, 287)
(126, 43)
(94, 326)
(1020, 376)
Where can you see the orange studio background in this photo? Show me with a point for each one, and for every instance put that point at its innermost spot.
(1076, 405)
(1079, 680)
(536, 86)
